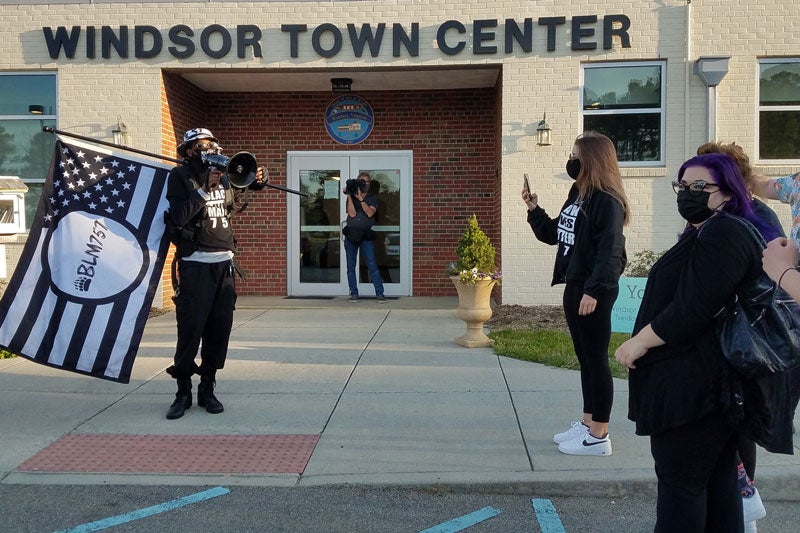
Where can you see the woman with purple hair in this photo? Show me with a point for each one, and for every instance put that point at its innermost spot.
(677, 369)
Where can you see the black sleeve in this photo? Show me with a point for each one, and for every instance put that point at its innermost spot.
(724, 255)
(544, 227)
(184, 200)
(607, 220)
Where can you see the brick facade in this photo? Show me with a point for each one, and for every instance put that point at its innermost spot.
(453, 135)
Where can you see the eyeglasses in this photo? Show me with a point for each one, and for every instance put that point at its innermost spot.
(207, 146)
(696, 186)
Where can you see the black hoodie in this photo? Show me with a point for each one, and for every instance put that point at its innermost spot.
(591, 246)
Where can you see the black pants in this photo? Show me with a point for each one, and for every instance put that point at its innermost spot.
(204, 306)
(697, 478)
(590, 336)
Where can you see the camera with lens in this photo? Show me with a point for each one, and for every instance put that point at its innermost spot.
(352, 186)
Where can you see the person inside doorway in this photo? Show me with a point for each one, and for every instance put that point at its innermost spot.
(362, 208)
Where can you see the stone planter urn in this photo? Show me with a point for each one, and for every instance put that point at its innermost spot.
(474, 308)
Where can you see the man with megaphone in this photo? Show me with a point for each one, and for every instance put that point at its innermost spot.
(201, 203)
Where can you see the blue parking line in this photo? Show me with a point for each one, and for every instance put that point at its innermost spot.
(147, 511)
(546, 515)
(463, 522)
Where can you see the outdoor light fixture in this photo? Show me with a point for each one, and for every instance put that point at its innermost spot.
(36, 109)
(341, 85)
(120, 132)
(543, 132)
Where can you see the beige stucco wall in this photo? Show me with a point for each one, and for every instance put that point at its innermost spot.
(94, 92)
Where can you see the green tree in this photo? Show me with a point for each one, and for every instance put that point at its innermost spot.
(6, 145)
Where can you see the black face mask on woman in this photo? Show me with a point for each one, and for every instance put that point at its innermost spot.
(693, 206)
(573, 168)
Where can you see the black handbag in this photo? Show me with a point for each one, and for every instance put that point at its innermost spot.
(760, 330)
(356, 234)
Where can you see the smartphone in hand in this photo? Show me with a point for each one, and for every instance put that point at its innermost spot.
(526, 184)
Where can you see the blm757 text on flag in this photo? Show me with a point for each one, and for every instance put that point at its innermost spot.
(81, 293)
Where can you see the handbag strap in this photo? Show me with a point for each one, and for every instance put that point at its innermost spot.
(763, 281)
(749, 225)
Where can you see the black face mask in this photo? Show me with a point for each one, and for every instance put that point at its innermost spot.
(196, 162)
(693, 206)
(573, 168)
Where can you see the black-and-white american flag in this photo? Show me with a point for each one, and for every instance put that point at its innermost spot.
(81, 293)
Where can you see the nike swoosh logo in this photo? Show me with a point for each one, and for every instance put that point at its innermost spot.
(586, 443)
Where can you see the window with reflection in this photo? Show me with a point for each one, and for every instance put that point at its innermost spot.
(386, 186)
(779, 110)
(320, 238)
(625, 102)
(27, 103)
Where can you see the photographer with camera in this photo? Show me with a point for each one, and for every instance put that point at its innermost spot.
(199, 220)
(361, 210)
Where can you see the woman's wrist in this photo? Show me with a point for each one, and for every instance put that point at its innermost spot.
(780, 279)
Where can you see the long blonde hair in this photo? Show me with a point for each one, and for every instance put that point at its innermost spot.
(599, 169)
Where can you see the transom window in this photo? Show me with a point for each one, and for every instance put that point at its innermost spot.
(625, 102)
(27, 103)
(779, 110)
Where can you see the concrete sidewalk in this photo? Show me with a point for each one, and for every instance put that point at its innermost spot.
(390, 397)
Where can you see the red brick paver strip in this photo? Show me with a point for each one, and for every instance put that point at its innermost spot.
(173, 454)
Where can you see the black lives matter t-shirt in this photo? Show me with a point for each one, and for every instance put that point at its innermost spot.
(216, 233)
(567, 224)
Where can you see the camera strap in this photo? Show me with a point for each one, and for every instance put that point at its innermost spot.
(357, 204)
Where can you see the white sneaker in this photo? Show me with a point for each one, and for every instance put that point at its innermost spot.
(753, 507)
(588, 445)
(576, 429)
(750, 527)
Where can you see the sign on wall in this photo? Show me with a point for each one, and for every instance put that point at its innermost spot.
(349, 119)
(453, 37)
(623, 314)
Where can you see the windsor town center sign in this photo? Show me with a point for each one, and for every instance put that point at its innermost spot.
(486, 37)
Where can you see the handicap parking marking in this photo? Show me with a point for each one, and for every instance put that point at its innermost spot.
(463, 522)
(546, 515)
(147, 511)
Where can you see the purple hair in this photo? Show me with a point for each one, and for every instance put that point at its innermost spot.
(726, 175)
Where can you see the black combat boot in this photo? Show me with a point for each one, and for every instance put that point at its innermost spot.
(183, 399)
(205, 395)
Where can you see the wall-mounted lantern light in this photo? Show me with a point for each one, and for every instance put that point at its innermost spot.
(543, 131)
(120, 133)
(341, 85)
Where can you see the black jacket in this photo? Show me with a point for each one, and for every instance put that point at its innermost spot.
(681, 381)
(597, 258)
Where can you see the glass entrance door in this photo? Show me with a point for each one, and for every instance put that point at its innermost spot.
(317, 264)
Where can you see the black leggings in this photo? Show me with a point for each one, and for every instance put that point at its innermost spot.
(590, 336)
(697, 478)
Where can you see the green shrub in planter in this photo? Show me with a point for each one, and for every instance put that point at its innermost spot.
(475, 255)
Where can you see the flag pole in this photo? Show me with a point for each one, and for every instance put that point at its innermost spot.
(50, 129)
